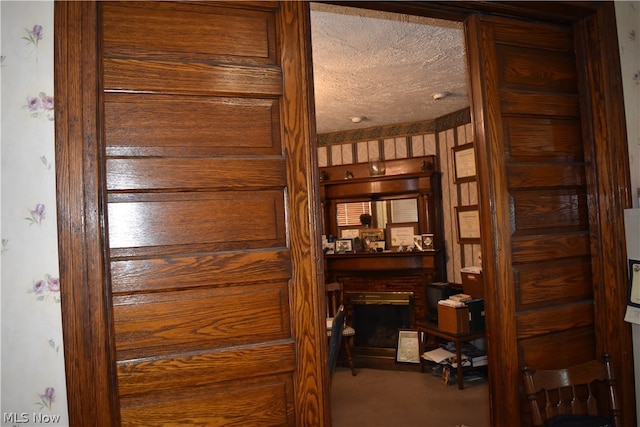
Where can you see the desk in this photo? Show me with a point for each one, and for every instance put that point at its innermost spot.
(458, 339)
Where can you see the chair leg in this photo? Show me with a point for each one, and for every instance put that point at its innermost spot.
(347, 349)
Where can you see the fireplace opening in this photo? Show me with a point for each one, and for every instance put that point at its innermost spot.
(377, 316)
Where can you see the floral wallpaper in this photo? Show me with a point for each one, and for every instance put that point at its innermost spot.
(32, 359)
(628, 21)
(32, 379)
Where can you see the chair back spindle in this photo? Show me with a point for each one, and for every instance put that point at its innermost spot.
(586, 389)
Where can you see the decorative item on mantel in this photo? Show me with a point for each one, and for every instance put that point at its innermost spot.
(377, 167)
(348, 175)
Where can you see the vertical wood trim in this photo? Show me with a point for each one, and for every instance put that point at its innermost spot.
(312, 375)
(609, 182)
(89, 368)
(493, 201)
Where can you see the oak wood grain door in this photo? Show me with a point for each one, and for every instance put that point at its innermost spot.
(555, 295)
(188, 240)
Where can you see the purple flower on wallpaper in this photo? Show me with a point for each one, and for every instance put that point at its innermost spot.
(47, 102)
(37, 214)
(34, 103)
(46, 288)
(47, 398)
(40, 106)
(40, 287)
(34, 35)
(53, 284)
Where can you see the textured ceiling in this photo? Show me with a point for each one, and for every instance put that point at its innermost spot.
(384, 67)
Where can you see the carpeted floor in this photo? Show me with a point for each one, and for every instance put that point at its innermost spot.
(383, 398)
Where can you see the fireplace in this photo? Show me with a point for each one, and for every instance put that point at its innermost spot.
(377, 316)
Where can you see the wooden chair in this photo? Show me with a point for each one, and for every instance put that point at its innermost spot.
(335, 339)
(335, 299)
(587, 389)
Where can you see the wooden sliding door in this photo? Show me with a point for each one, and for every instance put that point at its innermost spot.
(555, 295)
(188, 252)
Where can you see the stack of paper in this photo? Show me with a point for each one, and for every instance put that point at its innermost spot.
(438, 355)
(451, 303)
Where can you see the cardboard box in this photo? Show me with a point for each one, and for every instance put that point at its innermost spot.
(472, 284)
(453, 319)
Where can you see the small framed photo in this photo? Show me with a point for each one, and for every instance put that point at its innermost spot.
(378, 246)
(634, 283)
(468, 218)
(349, 233)
(408, 348)
(371, 235)
(427, 242)
(344, 245)
(328, 248)
(464, 163)
(401, 235)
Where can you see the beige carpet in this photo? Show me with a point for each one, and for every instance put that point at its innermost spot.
(382, 398)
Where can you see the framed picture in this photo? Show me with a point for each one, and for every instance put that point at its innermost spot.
(464, 163)
(401, 235)
(427, 242)
(328, 247)
(634, 283)
(344, 245)
(378, 245)
(370, 235)
(408, 349)
(349, 233)
(468, 218)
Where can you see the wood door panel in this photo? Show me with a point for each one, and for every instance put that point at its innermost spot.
(554, 319)
(261, 401)
(537, 70)
(557, 350)
(550, 247)
(156, 374)
(552, 282)
(529, 34)
(200, 319)
(544, 104)
(184, 271)
(211, 125)
(549, 139)
(535, 210)
(190, 78)
(166, 31)
(185, 173)
(535, 174)
(255, 219)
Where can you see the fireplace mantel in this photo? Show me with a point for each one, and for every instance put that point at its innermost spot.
(388, 262)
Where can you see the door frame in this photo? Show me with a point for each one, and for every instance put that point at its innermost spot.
(85, 313)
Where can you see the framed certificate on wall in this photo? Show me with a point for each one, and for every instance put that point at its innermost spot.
(468, 218)
(464, 163)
